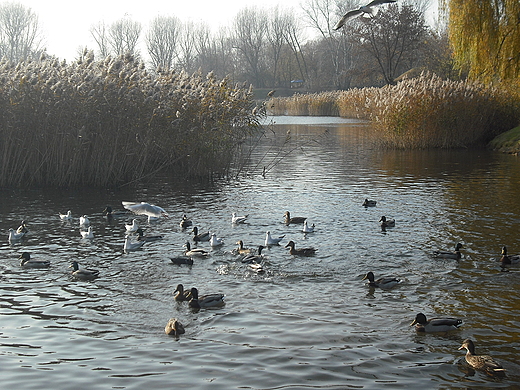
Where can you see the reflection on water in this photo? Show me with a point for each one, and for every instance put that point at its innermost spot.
(305, 322)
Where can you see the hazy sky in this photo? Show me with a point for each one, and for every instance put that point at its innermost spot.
(66, 24)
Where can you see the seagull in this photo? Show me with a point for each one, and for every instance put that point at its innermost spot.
(269, 240)
(144, 208)
(366, 9)
(307, 228)
(87, 234)
(66, 217)
(83, 221)
(238, 219)
(131, 228)
(215, 241)
(132, 246)
(13, 236)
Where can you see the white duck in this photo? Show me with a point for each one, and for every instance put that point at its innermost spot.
(89, 234)
(132, 246)
(132, 227)
(215, 241)
(238, 219)
(270, 240)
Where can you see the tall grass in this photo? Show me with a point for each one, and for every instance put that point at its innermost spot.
(424, 112)
(112, 122)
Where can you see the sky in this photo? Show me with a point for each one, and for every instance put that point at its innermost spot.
(66, 24)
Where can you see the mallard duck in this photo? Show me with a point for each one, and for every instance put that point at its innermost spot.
(238, 219)
(366, 9)
(185, 222)
(480, 362)
(289, 220)
(13, 236)
(22, 228)
(132, 227)
(132, 246)
(508, 260)
(83, 273)
(200, 237)
(215, 241)
(84, 221)
(205, 301)
(142, 237)
(387, 222)
(180, 260)
(300, 251)
(270, 240)
(110, 213)
(254, 258)
(144, 208)
(66, 217)
(174, 328)
(450, 254)
(384, 283)
(435, 324)
(180, 294)
(87, 234)
(241, 250)
(27, 262)
(196, 252)
(369, 203)
(307, 228)
(256, 267)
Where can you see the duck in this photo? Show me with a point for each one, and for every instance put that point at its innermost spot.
(369, 203)
(256, 267)
(270, 240)
(435, 324)
(174, 327)
(132, 227)
(143, 208)
(480, 362)
(110, 213)
(66, 217)
(180, 294)
(300, 251)
(200, 237)
(84, 221)
(196, 252)
(450, 254)
(83, 273)
(142, 237)
(307, 229)
(132, 246)
(185, 222)
(180, 260)
(88, 234)
(386, 222)
(366, 9)
(254, 258)
(205, 301)
(296, 220)
(13, 236)
(384, 283)
(508, 260)
(27, 262)
(241, 250)
(215, 241)
(238, 219)
(22, 228)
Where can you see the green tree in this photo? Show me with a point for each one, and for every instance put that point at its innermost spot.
(485, 35)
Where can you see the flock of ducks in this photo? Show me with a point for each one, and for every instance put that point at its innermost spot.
(254, 259)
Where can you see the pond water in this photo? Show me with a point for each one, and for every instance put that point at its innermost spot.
(306, 322)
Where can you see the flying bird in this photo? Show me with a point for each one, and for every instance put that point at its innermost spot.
(366, 9)
(144, 208)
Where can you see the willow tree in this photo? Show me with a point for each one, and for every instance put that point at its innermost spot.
(485, 35)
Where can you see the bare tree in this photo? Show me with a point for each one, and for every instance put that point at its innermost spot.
(20, 37)
(99, 32)
(123, 36)
(162, 39)
(187, 46)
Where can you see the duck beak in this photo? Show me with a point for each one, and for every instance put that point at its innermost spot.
(413, 322)
(365, 277)
(461, 347)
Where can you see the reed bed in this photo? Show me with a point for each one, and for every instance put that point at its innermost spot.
(112, 122)
(423, 112)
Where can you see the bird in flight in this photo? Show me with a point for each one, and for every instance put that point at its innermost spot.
(366, 9)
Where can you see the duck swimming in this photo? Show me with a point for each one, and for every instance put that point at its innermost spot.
(196, 252)
(369, 203)
(180, 294)
(254, 258)
(142, 237)
(205, 301)
(508, 260)
(200, 237)
(300, 251)
(241, 250)
(384, 283)
(435, 324)
(450, 255)
(270, 240)
(180, 260)
(185, 222)
(27, 262)
(386, 222)
(289, 219)
(83, 273)
(481, 362)
(174, 328)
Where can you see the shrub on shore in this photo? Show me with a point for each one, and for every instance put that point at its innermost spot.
(110, 122)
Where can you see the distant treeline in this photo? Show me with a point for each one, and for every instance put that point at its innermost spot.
(112, 122)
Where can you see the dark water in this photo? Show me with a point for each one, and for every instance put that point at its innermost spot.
(306, 323)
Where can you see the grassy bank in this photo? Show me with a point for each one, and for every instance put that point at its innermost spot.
(111, 122)
(508, 142)
(424, 112)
